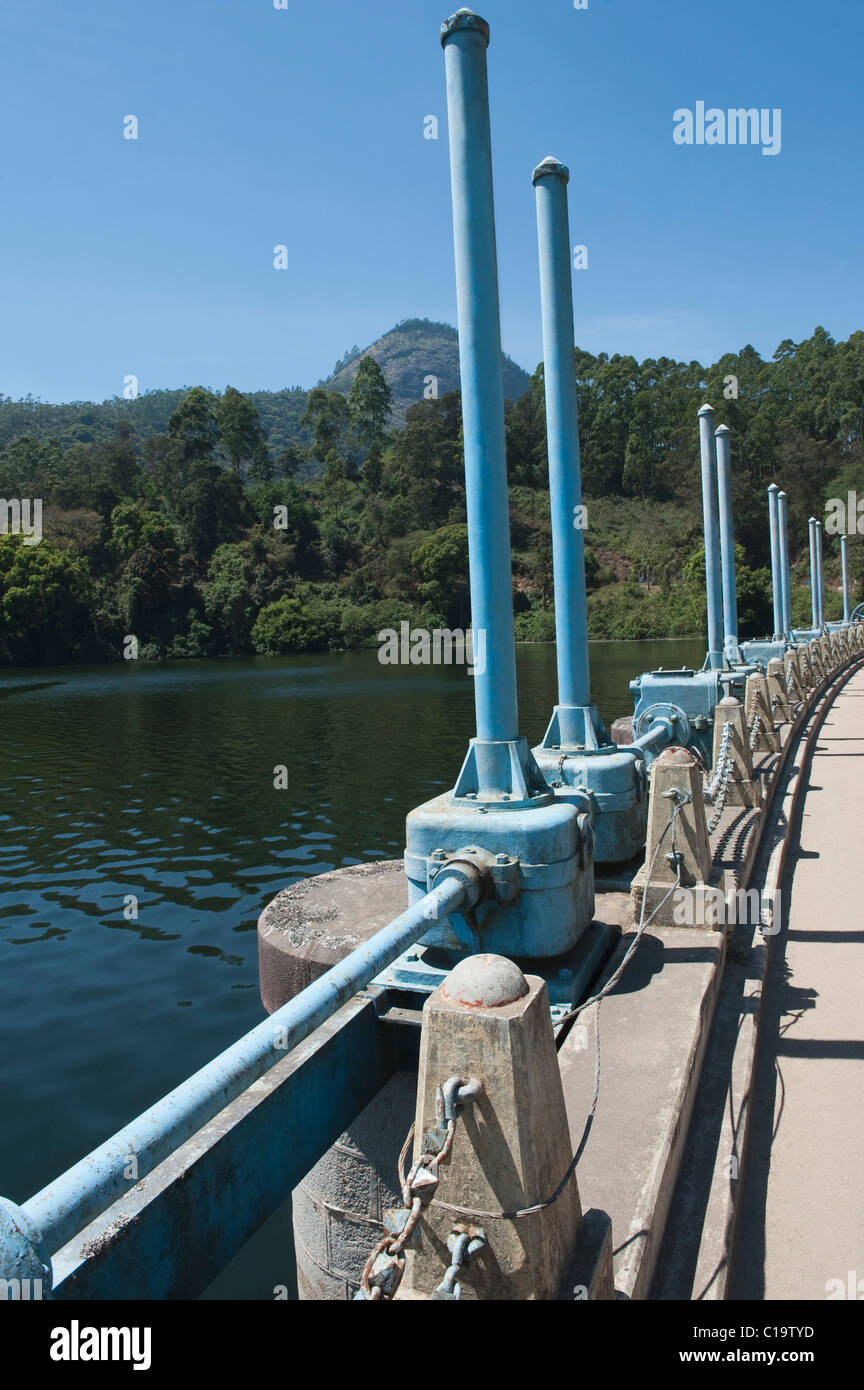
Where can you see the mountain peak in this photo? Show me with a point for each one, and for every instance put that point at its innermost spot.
(419, 359)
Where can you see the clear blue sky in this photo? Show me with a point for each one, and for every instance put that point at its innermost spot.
(305, 127)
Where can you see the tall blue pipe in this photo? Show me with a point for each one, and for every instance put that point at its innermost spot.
(820, 574)
(465, 37)
(731, 649)
(708, 456)
(562, 426)
(814, 575)
(785, 577)
(844, 565)
(776, 564)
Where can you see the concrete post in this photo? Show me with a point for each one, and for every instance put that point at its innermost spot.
(758, 701)
(731, 650)
(490, 1024)
(779, 692)
(708, 454)
(814, 575)
(817, 661)
(742, 790)
(776, 564)
(675, 771)
(844, 567)
(806, 675)
(785, 577)
(796, 684)
(829, 658)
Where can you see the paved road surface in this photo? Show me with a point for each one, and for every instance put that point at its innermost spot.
(802, 1216)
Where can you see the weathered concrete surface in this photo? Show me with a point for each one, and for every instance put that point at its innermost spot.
(312, 925)
(654, 1030)
(512, 1143)
(675, 771)
(802, 1218)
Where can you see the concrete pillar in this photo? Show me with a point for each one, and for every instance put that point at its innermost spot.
(795, 682)
(742, 790)
(779, 695)
(817, 661)
(675, 771)
(758, 701)
(829, 656)
(489, 1023)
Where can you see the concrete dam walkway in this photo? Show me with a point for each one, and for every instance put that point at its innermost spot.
(802, 1215)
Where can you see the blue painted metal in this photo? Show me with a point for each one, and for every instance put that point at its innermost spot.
(776, 567)
(708, 455)
(844, 566)
(538, 865)
(65, 1206)
(169, 1238)
(501, 810)
(785, 577)
(820, 574)
(814, 575)
(731, 650)
(465, 37)
(576, 756)
(562, 429)
(688, 696)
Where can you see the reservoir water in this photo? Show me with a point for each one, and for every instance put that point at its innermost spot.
(148, 788)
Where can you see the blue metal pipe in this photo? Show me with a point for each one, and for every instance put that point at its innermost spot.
(814, 575)
(844, 565)
(820, 574)
(659, 735)
(776, 565)
(562, 427)
(82, 1193)
(708, 455)
(465, 37)
(731, 650)
(785, 577)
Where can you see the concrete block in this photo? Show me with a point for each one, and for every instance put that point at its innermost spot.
(488, 1022)
(312, 925)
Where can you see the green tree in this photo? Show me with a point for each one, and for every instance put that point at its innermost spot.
(240, 434)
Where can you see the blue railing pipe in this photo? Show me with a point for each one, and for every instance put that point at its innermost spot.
(63, 1208)
(562, 426)
(708, 457)
(465, 37)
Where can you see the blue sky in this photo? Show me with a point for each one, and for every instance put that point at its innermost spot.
(304, 127)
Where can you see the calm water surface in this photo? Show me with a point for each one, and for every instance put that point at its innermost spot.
(156, 780)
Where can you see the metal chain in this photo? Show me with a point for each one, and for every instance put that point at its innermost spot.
(711, 789)
(719, 798)
(383, 1271)
(754, 730)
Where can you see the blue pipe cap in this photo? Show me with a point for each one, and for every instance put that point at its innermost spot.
(707, 410)
(551, 165)
(721, 429)
(464, 19)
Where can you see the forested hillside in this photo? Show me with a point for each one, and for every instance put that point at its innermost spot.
(209, 523)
